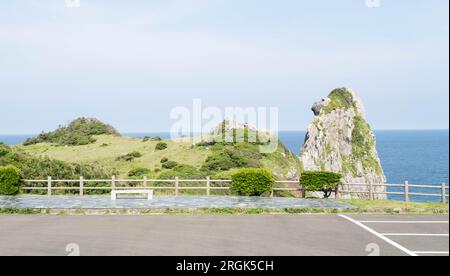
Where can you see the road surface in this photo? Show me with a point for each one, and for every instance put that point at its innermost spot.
(225, 235)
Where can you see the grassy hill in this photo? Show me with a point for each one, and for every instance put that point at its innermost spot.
(78, 132)
(125, 154)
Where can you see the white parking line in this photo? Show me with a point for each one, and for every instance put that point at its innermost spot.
(412, 234)
(405, 222)
(391, 242)
(432, 252)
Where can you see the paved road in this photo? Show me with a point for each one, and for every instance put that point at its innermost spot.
(271, 235)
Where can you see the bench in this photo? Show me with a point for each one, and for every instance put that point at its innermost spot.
(149, 193)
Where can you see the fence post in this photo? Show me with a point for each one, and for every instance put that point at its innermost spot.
(272, 193)
(406, 193)
(336, 193)
(443, 190)
(145, 182)
(49, 186)
(302, 190)
(81, 186)
(113, 183)
(371, 197)
(177, 185)
(208, 186)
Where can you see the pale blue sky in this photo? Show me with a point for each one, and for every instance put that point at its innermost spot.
(129, 63)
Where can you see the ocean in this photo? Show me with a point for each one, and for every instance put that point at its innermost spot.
(420, 157)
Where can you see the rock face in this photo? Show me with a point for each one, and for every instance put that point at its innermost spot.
(339, 140)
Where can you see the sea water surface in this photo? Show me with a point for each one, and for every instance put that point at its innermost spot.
(417, 156)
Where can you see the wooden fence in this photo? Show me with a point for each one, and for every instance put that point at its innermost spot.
(225, 185)
(405, 193)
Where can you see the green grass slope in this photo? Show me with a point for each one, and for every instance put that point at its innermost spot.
(106, 151)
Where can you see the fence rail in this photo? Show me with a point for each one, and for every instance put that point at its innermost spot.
(370, 190)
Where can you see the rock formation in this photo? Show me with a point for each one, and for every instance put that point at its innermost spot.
(339, 140)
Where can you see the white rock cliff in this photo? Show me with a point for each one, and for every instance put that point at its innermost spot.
(339, 140)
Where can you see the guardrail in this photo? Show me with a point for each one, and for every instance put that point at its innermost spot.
(370, 190)
(81, 187)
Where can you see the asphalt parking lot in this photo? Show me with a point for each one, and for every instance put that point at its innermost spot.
(226, 235)
(413, 235)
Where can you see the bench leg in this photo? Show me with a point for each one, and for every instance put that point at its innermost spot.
(113, 196)
(150, 195)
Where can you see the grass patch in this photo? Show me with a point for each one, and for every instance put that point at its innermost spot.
(360, 206)
(18, 211)
(391, 207)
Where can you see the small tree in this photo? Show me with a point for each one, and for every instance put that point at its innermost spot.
(252, 182)
(325, 182)
(9, 180)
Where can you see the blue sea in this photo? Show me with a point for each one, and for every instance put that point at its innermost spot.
(420, 157)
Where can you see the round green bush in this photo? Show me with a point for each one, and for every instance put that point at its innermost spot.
(9, 180)
(252, 182)
(138, 171)
(161, 146)
(325, 182)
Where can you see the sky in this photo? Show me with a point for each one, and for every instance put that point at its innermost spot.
(129, 63)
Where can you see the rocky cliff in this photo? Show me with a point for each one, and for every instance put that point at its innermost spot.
(339, 140)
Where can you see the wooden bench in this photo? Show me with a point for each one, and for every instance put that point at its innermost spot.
(149, 193)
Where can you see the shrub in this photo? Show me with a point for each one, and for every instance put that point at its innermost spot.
(156, 138)
(42, 167)
(238, 156)
(218, 162)
(129, 156)
(169, 165)
(146, 139)
(10, 158)
(161, 146)
(164, 160)
(9, 180)
(135, 154)
(138, 172)
(183, 172)
(4, 149)
(252, 182)
(325, 182)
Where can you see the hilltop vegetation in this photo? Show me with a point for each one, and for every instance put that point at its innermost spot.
(77, 133)
(340, 98)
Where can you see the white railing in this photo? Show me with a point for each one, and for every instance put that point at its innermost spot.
(225, 185)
